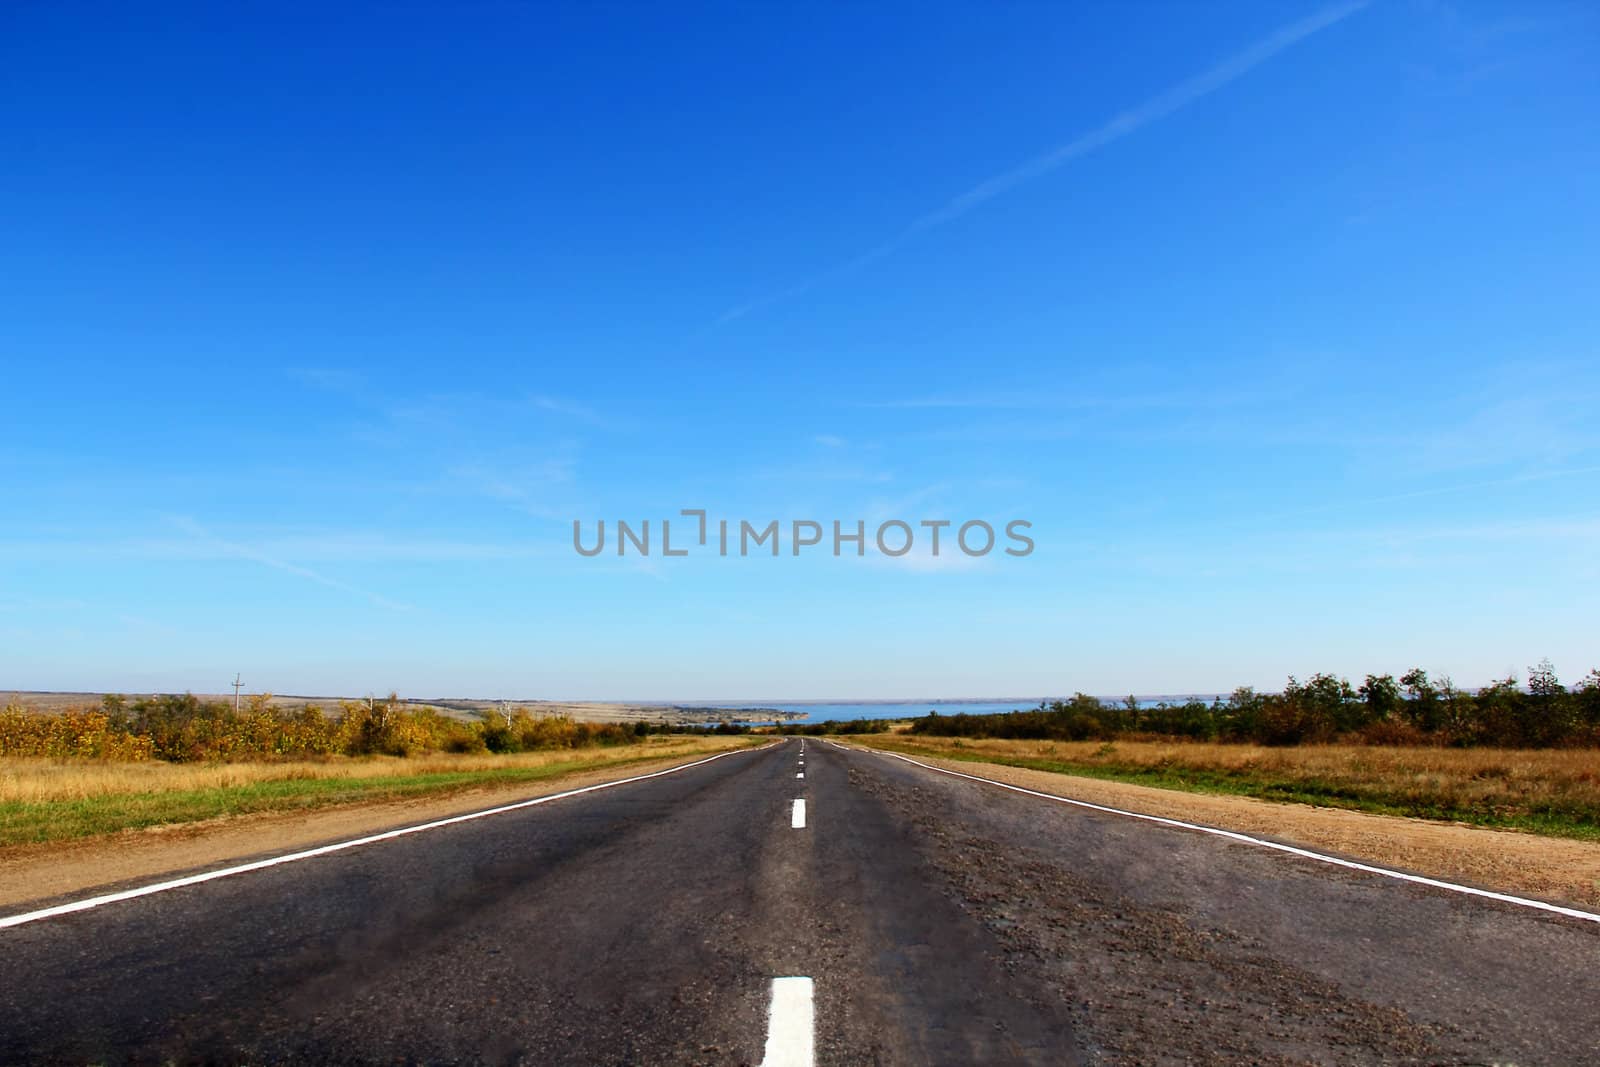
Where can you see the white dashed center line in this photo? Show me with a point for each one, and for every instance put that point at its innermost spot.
(790, 1024)
(797, 819)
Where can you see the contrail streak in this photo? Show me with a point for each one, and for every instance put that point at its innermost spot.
(1153, 110)
(245, 552)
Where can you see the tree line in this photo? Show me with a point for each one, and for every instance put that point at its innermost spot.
(1411, 709)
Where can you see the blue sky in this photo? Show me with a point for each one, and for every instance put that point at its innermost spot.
(319, 327)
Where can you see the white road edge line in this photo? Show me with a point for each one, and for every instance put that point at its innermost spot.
(797, 817)
(310, 853)
(791, 1024)
(1232, 835)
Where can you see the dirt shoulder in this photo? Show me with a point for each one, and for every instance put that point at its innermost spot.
(34, 873)
(1548, 868)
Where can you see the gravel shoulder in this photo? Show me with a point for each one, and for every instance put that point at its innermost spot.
(1559, 870)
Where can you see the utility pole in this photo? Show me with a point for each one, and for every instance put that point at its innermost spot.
(236, 684)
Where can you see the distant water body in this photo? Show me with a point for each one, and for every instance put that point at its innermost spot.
(915, 709)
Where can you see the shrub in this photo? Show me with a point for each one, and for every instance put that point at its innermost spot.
(185, 728)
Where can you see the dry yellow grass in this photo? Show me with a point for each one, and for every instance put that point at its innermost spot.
(1551, 790)
(38, 779)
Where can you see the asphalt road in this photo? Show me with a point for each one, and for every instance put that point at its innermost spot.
(940, 921)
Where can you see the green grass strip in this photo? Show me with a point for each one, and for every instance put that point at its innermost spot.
(1553, 820)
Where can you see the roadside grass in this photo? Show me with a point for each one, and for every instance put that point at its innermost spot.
(44, 800)
(1555, 792)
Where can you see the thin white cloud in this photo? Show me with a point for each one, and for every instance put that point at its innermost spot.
(1119, 126)
(921, 560)
(329, 547)
(328, 379)
(1443, 490)
(558, 405)
(246, 552)
(1079, 401)
(1580, 530)
(529, 489)
(824, 469)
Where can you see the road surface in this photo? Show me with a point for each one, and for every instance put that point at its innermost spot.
(910, 917)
